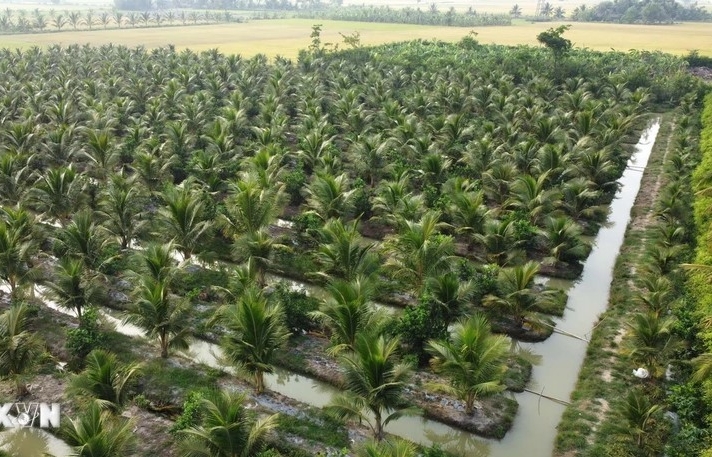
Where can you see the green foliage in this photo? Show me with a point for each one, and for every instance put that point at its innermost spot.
(106, 380)
(201, 279)
(645, 11)
(97, 433)
(420, 324)
(87, 337)
(190, 416)
(316, 426)
(297, 307)
(407, 15)
(294, 182)
(226, 428)
(554, 40)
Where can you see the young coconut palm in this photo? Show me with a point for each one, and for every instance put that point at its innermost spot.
(374, 384)
(419, 251)
(159, 315)
(106, 380)
(226, 429)
(17, 248)
(343, 254)
(348, 313)
(120, 211)
(516, 297)
(652, 341)
(74, 287)
(183, 218)
(473, 360)
(98, 433)
(255, 331)
(19, 348)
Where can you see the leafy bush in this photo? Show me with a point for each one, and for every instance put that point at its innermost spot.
(87, 337)
(296, 306)
(191, 412)
(419, 324)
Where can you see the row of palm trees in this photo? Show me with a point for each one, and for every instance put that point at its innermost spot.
(114, 158)
(654, 337)
(23, 21)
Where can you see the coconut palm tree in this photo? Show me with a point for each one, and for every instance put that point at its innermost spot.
(158, 262)
(449, 291)
(374, 384)
(652, 340)
(515, 297)
(516, 11)
(183, 218)
(255, 331)
(89, 19)
(98, 433)
(468, 212)
(56, 194)
(160, 315)
(16, 252)
(100, 152)
(530, 195)
(639, 415)
(83, 239)
(500, 242)
(343, 254)
(19, 348)
(419, 251)
(395, 198)
(73, 286)
(473, 359)
(563, 239)
(14, 179)
(227, 428)
(250, 207)
(347, 313)
(106, 380)
(329, 196)
(120, 210)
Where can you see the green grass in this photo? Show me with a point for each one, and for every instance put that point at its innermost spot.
(586, 416)
(286, 37)
(315, 425)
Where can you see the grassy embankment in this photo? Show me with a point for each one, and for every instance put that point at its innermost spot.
(605, 378)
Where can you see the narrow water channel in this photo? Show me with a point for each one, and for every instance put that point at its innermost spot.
(560, 355)
(534, 428)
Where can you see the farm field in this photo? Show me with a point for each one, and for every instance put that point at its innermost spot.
(286, 37)
(436, 195)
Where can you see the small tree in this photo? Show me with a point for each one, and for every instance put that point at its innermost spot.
(226, 428)
(554, 40)
(106, 380)
(473, 360)
(97, 433)
(374, 385)
(255, 332)
(19, 348)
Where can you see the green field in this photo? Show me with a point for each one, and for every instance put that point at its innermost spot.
(286, 37)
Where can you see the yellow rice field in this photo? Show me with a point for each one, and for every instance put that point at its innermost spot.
(286, 37)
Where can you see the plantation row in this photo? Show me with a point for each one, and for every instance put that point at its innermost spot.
(478, 167)
(648, 324)
(39, 21)
(387, 14)
(695, 421)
